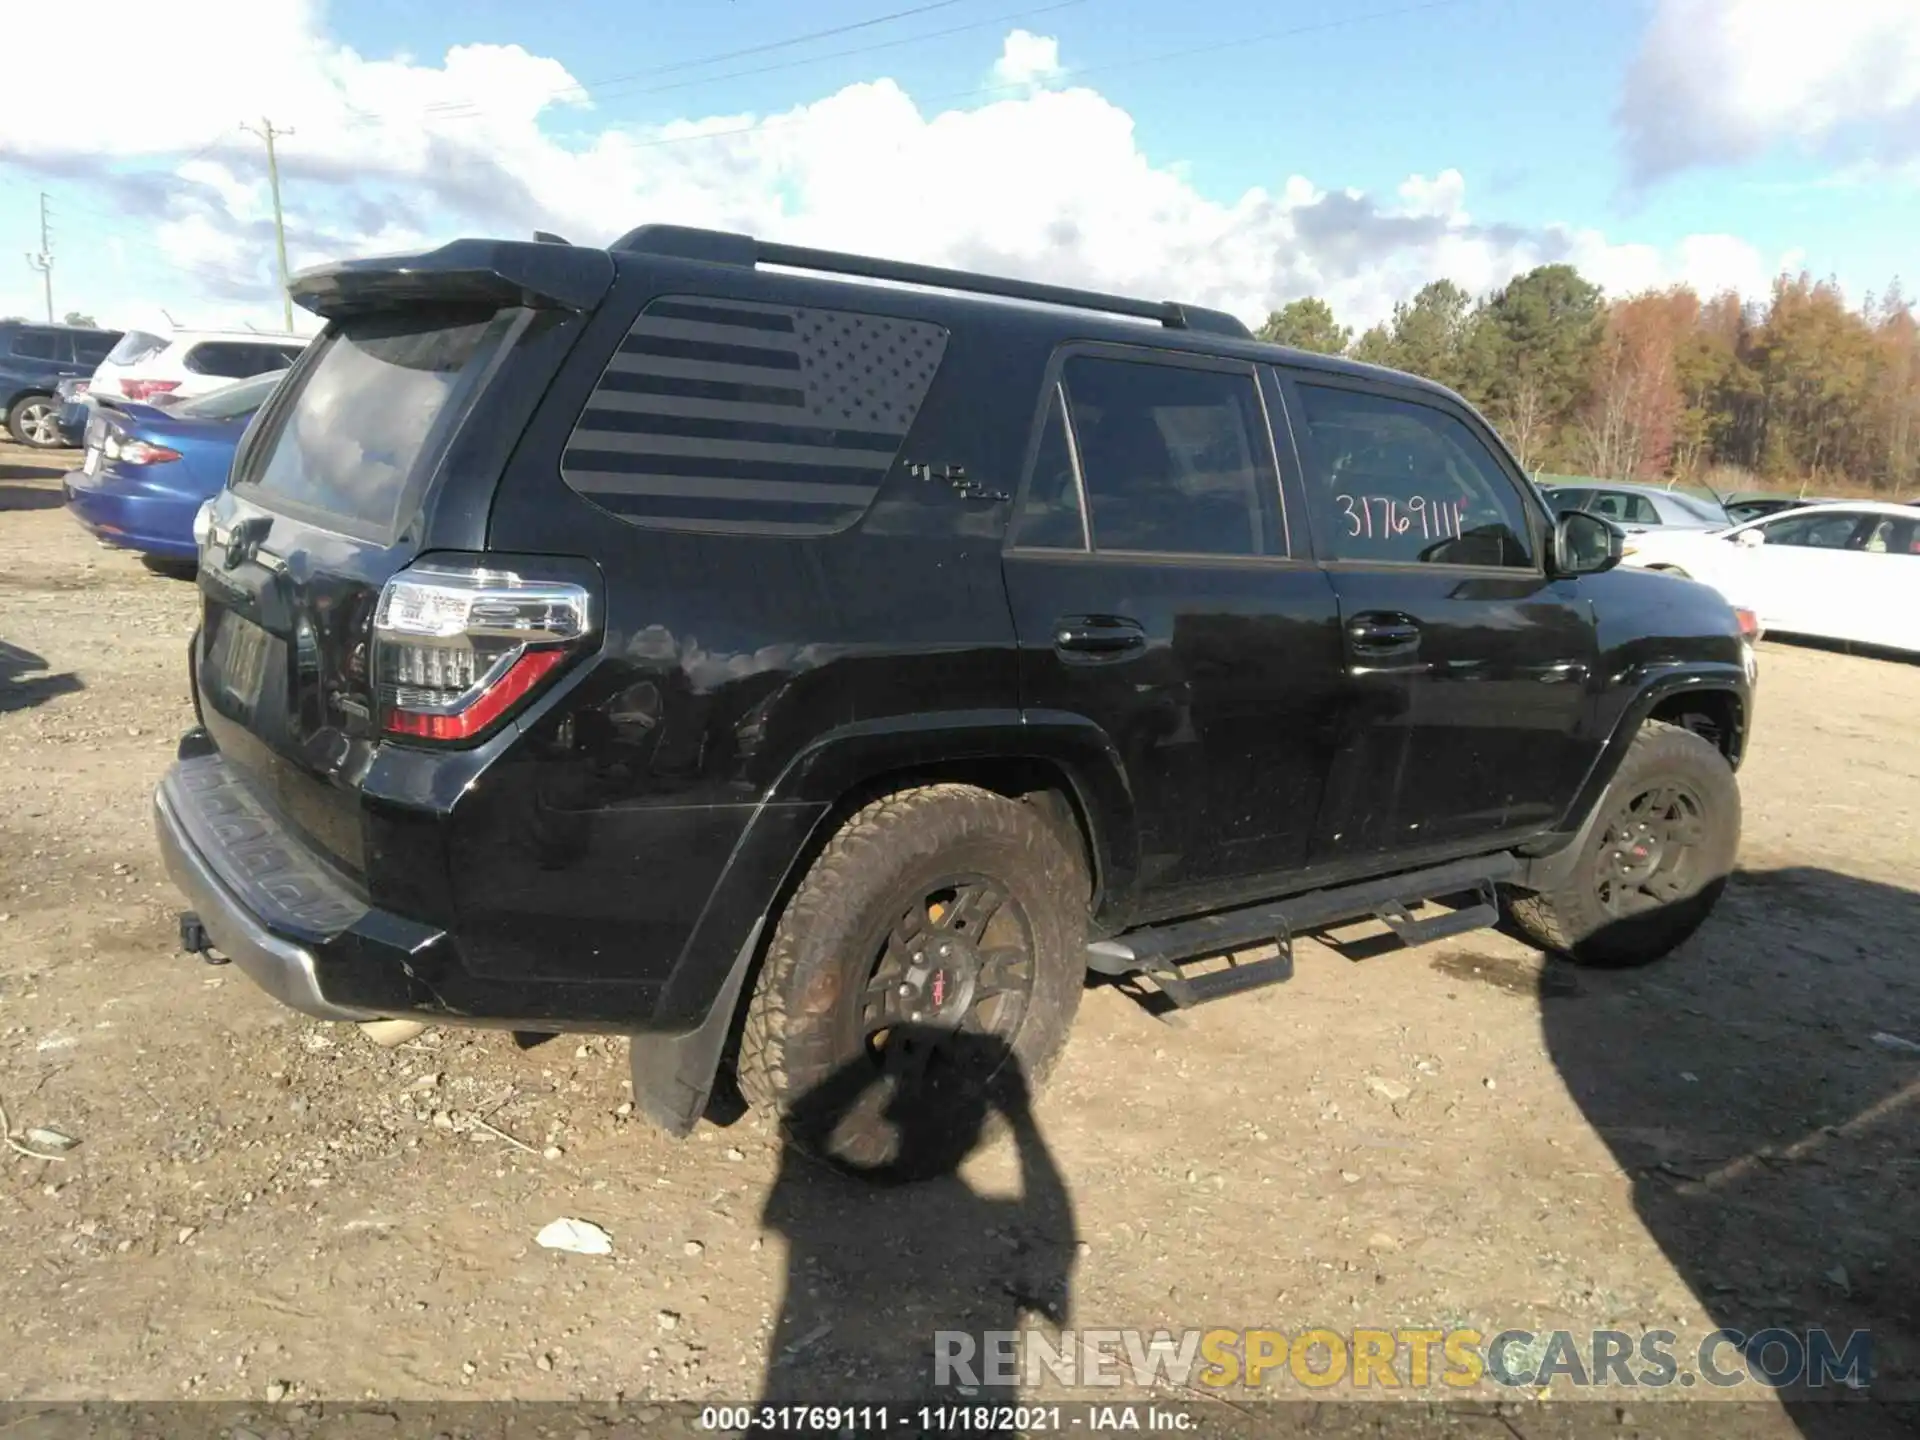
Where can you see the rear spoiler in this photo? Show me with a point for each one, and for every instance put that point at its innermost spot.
(499, 272)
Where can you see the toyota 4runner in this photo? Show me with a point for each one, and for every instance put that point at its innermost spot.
(796, 661)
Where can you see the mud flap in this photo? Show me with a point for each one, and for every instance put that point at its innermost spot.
(673, 1074)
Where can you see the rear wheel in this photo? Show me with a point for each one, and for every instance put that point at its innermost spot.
(32, 421)
(922, 978)
(1654, 866)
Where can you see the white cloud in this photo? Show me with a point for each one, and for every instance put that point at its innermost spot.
(1027, 59)
(1720, 81)
(1053, 185)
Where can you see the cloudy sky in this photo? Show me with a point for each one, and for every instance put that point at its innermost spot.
(1235, 153)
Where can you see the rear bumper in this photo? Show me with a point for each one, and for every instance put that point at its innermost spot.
(151, 524)
(283, 968)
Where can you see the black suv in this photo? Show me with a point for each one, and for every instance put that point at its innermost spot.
(816, 678)
(34, 359)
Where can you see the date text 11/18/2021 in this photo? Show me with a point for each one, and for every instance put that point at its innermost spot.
(985, 1418)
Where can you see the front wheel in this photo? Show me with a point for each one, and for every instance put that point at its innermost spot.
(1654, 865)
(921, 982)
(34, 420)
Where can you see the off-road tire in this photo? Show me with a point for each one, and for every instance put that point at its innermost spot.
(794, 1043)
(1572, 921)
(17, 419)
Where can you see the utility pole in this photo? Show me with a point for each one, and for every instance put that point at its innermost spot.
(43, 262)
(267, 133)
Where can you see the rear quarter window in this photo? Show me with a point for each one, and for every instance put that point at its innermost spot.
(348, 443)
(742, 417)
(235, 359)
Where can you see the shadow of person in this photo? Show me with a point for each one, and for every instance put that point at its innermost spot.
(887, 1246)
(24, 682)
(1759, 1089)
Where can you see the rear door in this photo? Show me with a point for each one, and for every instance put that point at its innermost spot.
(326, 505)
(1156, 594)
(1467, 670)
(1804, 576)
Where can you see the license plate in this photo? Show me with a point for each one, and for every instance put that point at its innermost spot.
(92, 464)
(239, 661)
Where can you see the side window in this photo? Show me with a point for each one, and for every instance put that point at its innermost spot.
(1624, 509)
(751, 418)
(92, 349)
(1819, 532)
(33, 344)
(1173, 459)
(234, 360)
(1398, 482)
(1050, 517)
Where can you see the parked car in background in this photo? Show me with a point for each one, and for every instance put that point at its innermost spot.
(1846, 570)
(34, 359)
(159, 369)
(71, 410)
(1640, 507)
(148, 470)
(1755, 507)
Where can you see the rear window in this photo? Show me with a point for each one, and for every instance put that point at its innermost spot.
(376, 397)
(230, 402)
(135, 346)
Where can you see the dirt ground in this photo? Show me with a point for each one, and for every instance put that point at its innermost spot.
(266, 1208)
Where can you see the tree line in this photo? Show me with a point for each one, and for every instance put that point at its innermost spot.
(1799, 389)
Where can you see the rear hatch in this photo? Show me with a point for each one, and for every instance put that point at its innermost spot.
(376, 450)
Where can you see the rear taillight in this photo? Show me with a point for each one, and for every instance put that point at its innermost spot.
(454, 650)
(147, 389)
(135, 452)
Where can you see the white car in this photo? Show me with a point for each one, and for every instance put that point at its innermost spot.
(1842, 571)
(160, 368)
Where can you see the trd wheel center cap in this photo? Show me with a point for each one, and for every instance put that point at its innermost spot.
(1640, 850)
(941, 978)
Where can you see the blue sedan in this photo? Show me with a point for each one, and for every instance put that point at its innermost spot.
(147, 470)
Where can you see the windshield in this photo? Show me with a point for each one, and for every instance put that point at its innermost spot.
(1698, 507)
(135, 346)
(230, 402)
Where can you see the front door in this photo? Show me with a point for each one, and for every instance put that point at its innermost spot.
(1156, 601)
(1469, 673)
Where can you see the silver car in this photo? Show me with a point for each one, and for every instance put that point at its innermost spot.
(1640, 507)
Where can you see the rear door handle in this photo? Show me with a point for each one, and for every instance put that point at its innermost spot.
(1375, 633)
(1098, 635)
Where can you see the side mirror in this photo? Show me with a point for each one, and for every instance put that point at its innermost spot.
(1751, 539)
(1585, 544)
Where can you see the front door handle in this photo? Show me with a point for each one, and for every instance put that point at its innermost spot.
(1375, 633)
(1098, 635)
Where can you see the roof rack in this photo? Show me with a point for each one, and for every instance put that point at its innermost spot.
(721, 247)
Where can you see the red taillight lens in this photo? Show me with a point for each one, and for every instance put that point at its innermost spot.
(1749, 623)
(138, 452)
(456, 649)
(147, 389)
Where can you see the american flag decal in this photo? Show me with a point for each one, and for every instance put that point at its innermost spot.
(732, 416)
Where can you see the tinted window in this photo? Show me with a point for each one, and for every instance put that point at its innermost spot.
(1172, 459)
(1623, 508)
(1392, 480)
(230, 402)
(747, 418)
(347, 444)
(1704, 510)
(236, 359)
(135, 346)
(1888, 536)
(34, 344)
(1829, 531)
(1050, 513)
(92, 349)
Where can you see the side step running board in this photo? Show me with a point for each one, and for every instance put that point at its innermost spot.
(1158, 950)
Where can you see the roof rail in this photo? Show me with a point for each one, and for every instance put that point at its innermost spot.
(721, 247)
